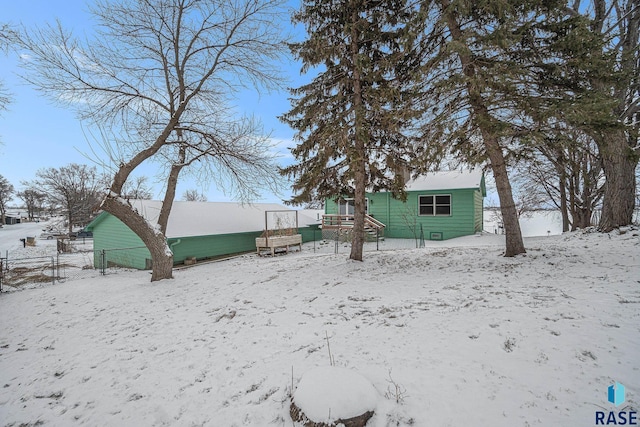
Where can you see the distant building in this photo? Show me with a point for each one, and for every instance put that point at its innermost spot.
(12, 218)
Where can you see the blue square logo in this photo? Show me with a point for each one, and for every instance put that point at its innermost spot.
(615, 394)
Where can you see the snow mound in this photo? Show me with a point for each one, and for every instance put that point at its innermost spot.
(330, 393)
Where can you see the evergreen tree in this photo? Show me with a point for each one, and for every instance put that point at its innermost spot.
(479, 86)
(503, 76)
(617, 24)
(354, 119)
(585, 86)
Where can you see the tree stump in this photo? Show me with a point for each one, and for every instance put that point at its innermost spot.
(359, 421)
(330, 396)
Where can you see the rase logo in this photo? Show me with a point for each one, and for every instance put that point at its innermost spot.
(616, 396)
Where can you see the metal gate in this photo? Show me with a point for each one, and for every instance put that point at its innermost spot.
(15, 272)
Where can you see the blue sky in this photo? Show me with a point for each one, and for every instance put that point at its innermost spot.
(36, 134)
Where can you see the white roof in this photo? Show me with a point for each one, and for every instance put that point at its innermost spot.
(208, 218)
(309, 216)
(445, 180)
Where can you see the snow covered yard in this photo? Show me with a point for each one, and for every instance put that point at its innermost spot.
(469, 337)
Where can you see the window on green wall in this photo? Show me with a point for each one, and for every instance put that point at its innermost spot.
(434, 205)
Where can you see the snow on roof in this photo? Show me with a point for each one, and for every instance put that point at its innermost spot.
(207, 218)
(446, 180)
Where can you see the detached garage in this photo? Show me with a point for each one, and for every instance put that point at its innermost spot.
(196, 230)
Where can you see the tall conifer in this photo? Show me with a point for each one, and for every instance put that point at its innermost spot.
(353, 119)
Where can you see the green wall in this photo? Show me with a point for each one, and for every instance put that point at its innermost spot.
(123, 248)
(402, 219)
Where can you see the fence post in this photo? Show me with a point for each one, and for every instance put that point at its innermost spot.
(53, 271)
(5, 268)
(103, 261)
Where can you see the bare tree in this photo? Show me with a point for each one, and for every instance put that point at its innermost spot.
(163, 72)
(527, 196)
(33, 200)
(194, 196)
(77, 189)
(568, 169)
(137, 189)
(5, 40)
(6, 192)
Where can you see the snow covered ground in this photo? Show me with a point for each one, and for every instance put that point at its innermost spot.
(469, 338)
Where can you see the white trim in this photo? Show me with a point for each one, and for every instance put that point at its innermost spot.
(350, 199)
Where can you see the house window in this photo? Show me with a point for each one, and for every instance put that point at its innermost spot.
(346, 206)
(435, 204)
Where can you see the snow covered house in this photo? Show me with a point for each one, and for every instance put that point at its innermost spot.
(439, 206)
(200, 230)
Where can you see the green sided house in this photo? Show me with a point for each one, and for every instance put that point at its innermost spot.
(439, 206)
(196, 230)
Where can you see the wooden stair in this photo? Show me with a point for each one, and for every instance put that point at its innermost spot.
(372, 227)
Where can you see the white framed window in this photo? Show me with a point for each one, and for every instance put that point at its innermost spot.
(434, 205)
(347, 207)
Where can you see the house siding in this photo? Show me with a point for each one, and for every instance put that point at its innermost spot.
(402, 219)
(122, 246)
(478, 217)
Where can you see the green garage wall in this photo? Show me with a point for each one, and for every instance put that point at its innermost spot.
(124, 248)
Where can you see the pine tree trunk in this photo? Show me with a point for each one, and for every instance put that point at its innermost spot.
(514, 242)
(619, 159)
(619, 162)
(513, 234)
(155, 241)
(358, 162)
(562, 186)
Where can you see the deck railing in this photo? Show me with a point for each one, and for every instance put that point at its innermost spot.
(335, 221)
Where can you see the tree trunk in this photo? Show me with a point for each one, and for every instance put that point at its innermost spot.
(619, 163)
(170, 193)
(154, 240)
(562, 186)
(513, 234)
(619, 158)
(70, 221)
(514, 242)
(358, 157)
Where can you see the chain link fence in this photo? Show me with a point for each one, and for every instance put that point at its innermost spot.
(110, 261)
(79, 261)
(75, 262)
(337, 244)
(22, 271)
